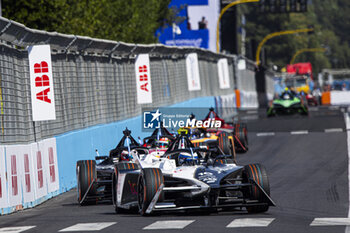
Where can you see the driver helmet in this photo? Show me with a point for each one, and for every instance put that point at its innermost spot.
(125, 156)
(163, 143)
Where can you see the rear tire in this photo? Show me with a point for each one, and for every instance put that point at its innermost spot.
(86, 174)
(224, 143)
(241, 138)
(257, 173)
(149, 181)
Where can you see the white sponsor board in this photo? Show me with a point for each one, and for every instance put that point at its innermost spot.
(41, 82)
(27, 172)
(143, 79)
(39, 170)
(48, 148)
(3, 188)
(224, 76)
(14, 173)
(340, 97)
(192, 68)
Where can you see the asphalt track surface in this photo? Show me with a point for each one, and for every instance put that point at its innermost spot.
(308, 175)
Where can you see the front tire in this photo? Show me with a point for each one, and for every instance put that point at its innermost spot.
(257, 173)
(86, 175)
(149, 181)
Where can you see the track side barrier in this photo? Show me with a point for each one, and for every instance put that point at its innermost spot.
(326, 98)
(249, 99)
(340, 97)
(335, 98)
(226, 105)
(28, 175)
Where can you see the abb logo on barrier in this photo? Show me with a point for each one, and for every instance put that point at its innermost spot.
(143, 77)
(27, 173)
(42, 81)
(14, 175)
(52, 165)
(39, 165)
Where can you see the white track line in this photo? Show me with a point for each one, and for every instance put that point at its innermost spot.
(299, 132)
(330, 222)
(265, 134)
(250, 222)
(165, 225)
(335, 130)
(16, 229)
(88, 226)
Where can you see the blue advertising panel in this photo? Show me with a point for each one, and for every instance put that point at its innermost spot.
(189, 32)
(195, 38)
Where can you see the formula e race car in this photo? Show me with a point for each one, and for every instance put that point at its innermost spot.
(232, 137)
(95, 179)
(160, 138)
(188, 177)
(287, 103)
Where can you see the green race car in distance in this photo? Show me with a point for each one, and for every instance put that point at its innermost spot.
(287, 103)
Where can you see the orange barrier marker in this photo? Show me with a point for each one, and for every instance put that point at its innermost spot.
(326, 98)
(238, 98)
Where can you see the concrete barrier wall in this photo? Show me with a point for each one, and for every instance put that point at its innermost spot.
(249, 99)
(340, 98)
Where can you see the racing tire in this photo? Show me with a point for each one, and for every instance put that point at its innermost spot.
(149, 181)
(86, 175)
(120, 167)
(270, 112)
(241, 138)
(257, 173)
(304, 111)
(225, 143)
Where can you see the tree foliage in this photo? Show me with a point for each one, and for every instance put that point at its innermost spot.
(331, 21)
(133, 21)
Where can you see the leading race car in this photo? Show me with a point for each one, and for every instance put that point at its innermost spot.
(188, 177)
(287, 103)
